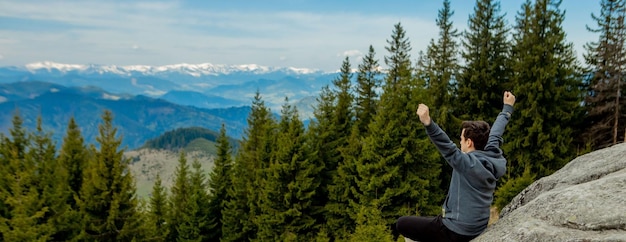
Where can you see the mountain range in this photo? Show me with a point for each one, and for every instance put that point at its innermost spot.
(147, 101)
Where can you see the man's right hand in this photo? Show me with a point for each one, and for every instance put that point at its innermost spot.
(422, 113)
(509, 98)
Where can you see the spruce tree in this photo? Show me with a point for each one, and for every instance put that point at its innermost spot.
(219, 182)
(486, 73)
(342, 195)
(179, 197)
(548, 89)
(368, 82)
(72, 159)
(53, 188)
(108, 202)
(23, 211)
(287, 200)
(158, 212)
(328, 139)
(393, 170)
(195, 219)
(606, 59)
(371, 226)
(442, 69)
(247, 176)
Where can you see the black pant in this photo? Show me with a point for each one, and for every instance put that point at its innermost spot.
(427, 229)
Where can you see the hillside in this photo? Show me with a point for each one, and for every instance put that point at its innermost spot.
(138, 118)
(147, 163)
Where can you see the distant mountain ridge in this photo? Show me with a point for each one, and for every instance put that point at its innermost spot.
(202, 85)
(190, 69)
(138, 118)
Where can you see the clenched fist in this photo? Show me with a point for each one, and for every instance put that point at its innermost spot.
(422, 113)
(509, 98)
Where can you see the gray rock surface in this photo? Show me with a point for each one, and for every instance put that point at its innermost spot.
(583, 201)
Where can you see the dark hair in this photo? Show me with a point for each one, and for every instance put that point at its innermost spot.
(477, 131)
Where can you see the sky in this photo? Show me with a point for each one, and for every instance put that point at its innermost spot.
(279, 33)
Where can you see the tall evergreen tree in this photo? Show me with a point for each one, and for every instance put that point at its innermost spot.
(371, 226)
(287, 201)
(108, 202)
(368, 82)
(195, 219)
(158, 211)
(393, 171)
(606, 59)
(179, 197)
(548, 87)
(441, 69)
(219, 182)
(73, 157)
(53, 188)
(23, 212)
(340, 122)
(486, 72)
(251, 160)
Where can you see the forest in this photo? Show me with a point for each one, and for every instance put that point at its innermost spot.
(365, 159)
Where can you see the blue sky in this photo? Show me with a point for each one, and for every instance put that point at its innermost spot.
(296, 33)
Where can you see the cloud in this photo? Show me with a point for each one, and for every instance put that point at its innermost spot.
(351, 53)
(101, 32)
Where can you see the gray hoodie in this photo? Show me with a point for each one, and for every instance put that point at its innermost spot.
(474, 177)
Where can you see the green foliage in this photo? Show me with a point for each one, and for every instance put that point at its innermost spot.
(182, 137)
(108, 202)
(540, 136)
(194, 224)
(371, 226)
(23, 212)
(247, 177)
(486, 73)
(158, 212)
(366, 99)
(393, 170)
(286, 205)
(606, 59)
(219, 182)
(179, 198)
(511, 188)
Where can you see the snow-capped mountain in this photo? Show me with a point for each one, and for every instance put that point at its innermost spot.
(196, 70)
(203, 85)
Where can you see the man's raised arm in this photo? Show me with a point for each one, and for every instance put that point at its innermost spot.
(497, 129)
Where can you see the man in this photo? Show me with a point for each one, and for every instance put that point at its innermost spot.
(476, 168)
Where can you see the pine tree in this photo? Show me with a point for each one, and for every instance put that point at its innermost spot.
(195, 218)
(53, 188)
(330, 135)
(440, 68)
(23, 211)
(158, 211)
(370, 226)
(606, 59)
(287, 202)
(341, 192)
(368, 82)
(393, 170)
(72, 159)
(219, 182)
(486, 73)
(108, 201)
(179, 198)
(548, 89)
(251, 160)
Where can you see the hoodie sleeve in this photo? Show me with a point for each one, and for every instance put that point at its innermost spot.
(453, 155)
(497, 129)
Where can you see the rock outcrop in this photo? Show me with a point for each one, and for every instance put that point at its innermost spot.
(583, 201)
